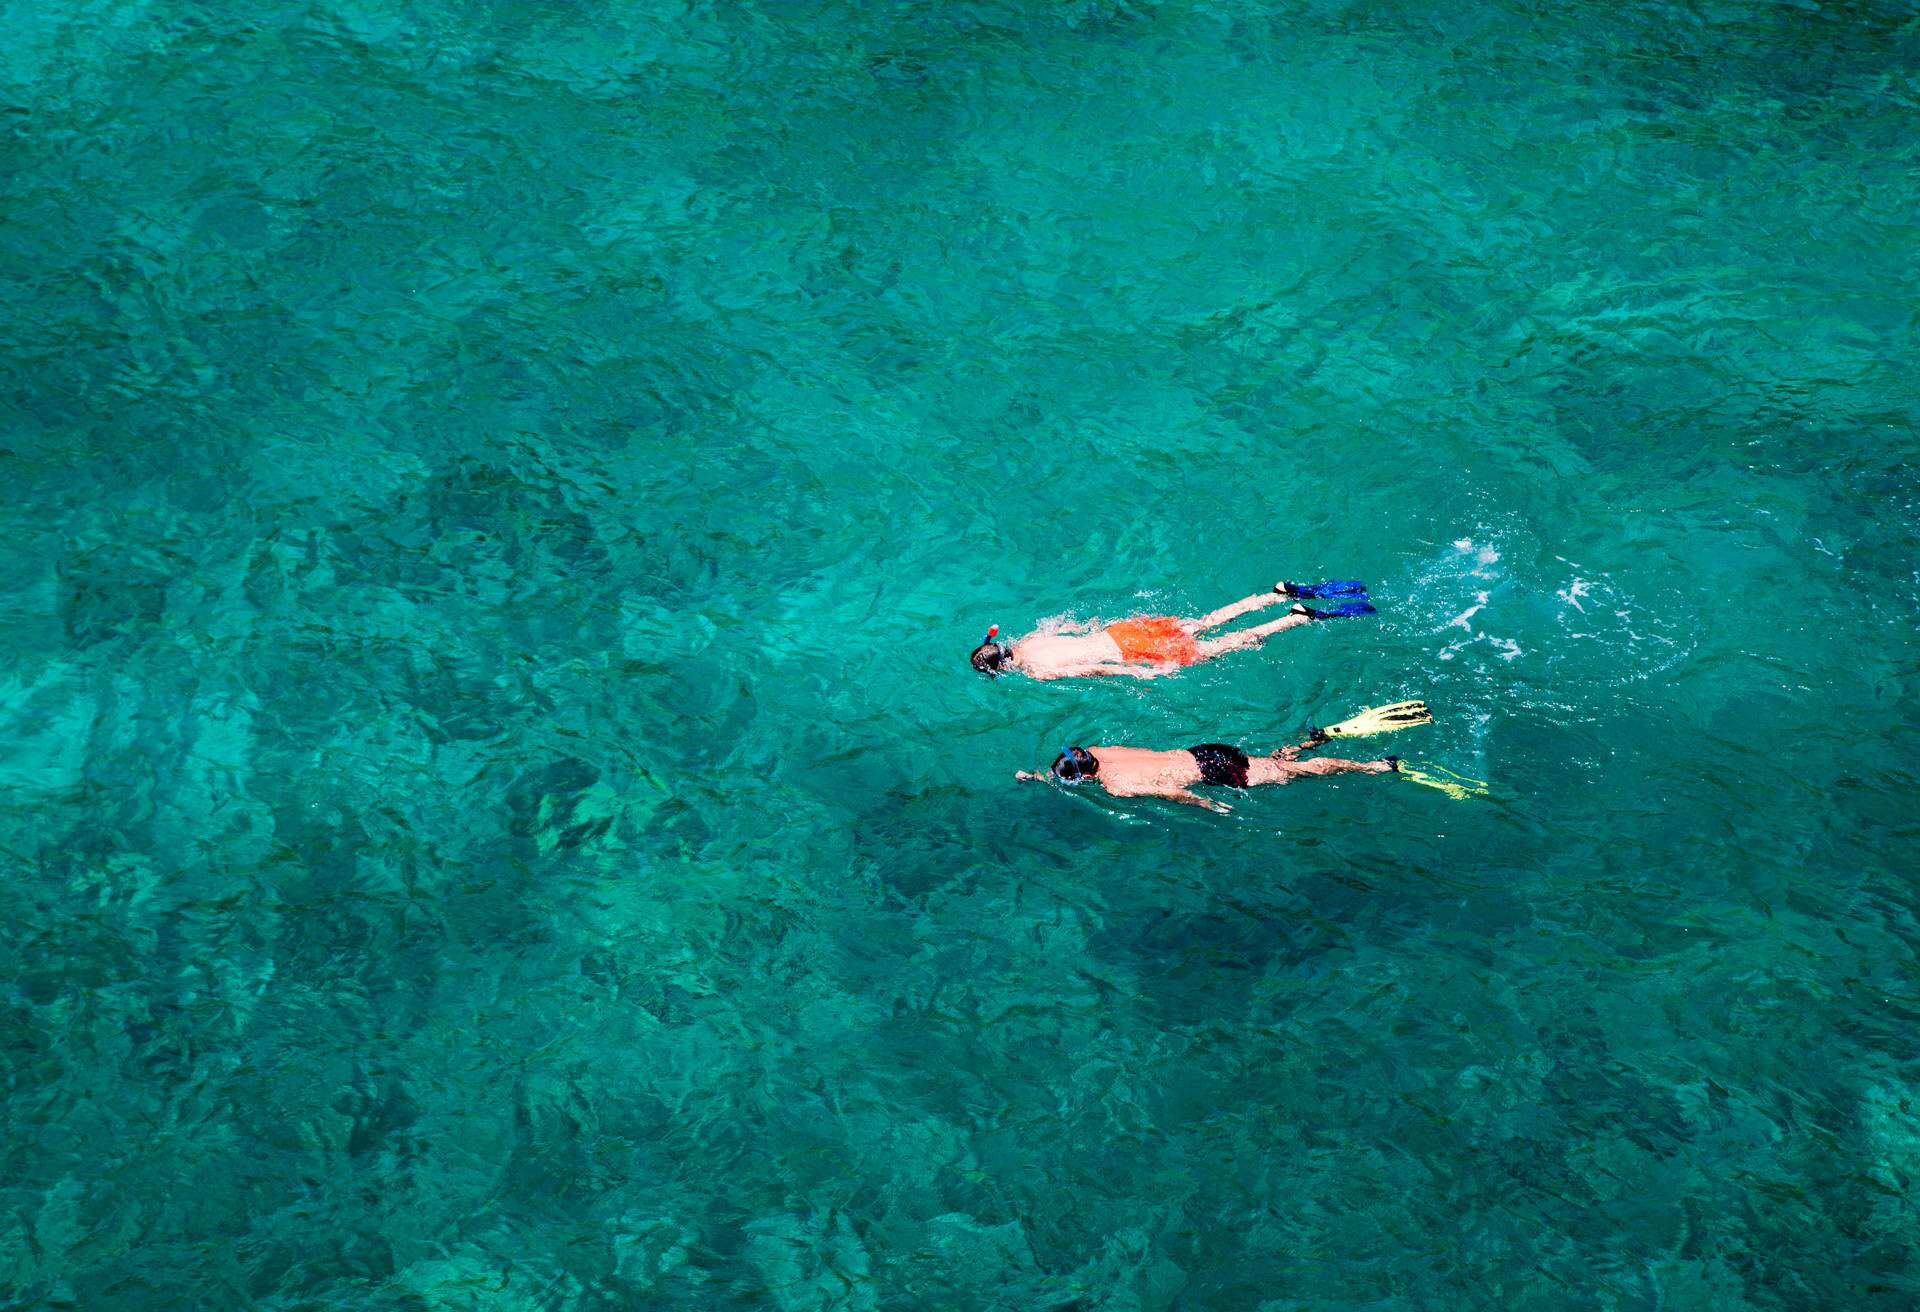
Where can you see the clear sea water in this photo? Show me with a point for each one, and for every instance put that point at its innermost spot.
(493, 808)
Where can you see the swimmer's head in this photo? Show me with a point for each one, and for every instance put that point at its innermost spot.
(990, 656)
(1074, 764)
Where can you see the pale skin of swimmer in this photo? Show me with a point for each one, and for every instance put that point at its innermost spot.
(1075, 653)
(1137, 772)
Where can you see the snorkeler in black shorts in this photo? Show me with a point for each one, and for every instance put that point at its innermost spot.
(1140, 772)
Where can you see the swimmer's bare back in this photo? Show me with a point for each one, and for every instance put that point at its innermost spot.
(1063, 656)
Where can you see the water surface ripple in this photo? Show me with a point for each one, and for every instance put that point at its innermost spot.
(495, 812)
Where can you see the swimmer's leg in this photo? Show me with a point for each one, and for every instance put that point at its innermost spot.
(1214, 619)
(1334, 765)
(1313, 739)
(1275, 770)
(1253, 637)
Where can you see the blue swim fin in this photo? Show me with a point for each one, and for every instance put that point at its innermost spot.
(1321, 591)
(1341, 611)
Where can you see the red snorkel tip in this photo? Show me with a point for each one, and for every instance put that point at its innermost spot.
(993, 631)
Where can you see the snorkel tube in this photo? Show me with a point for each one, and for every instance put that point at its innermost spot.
(989, 656)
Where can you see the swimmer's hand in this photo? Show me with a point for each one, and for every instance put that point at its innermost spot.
(1028, 777)
(1141, 670)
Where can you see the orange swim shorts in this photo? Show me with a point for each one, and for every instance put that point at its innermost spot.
(1154, 638)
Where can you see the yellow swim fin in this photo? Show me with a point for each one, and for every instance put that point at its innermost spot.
(1456, 786)
(1379, 719)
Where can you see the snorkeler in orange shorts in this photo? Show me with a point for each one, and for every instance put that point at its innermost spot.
(1149, 646)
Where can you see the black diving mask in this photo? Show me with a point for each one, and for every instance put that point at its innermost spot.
(1075, 764)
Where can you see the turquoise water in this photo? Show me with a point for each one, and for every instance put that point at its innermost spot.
(495, 812)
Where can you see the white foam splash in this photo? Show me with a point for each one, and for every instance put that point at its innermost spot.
(1505, 648)
(1484, 556)
(1460, 621)
(1062, 624)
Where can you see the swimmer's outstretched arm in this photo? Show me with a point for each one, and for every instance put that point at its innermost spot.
(1113, 668)
(1191, 798)
(1152, 671)
(1185, 796)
